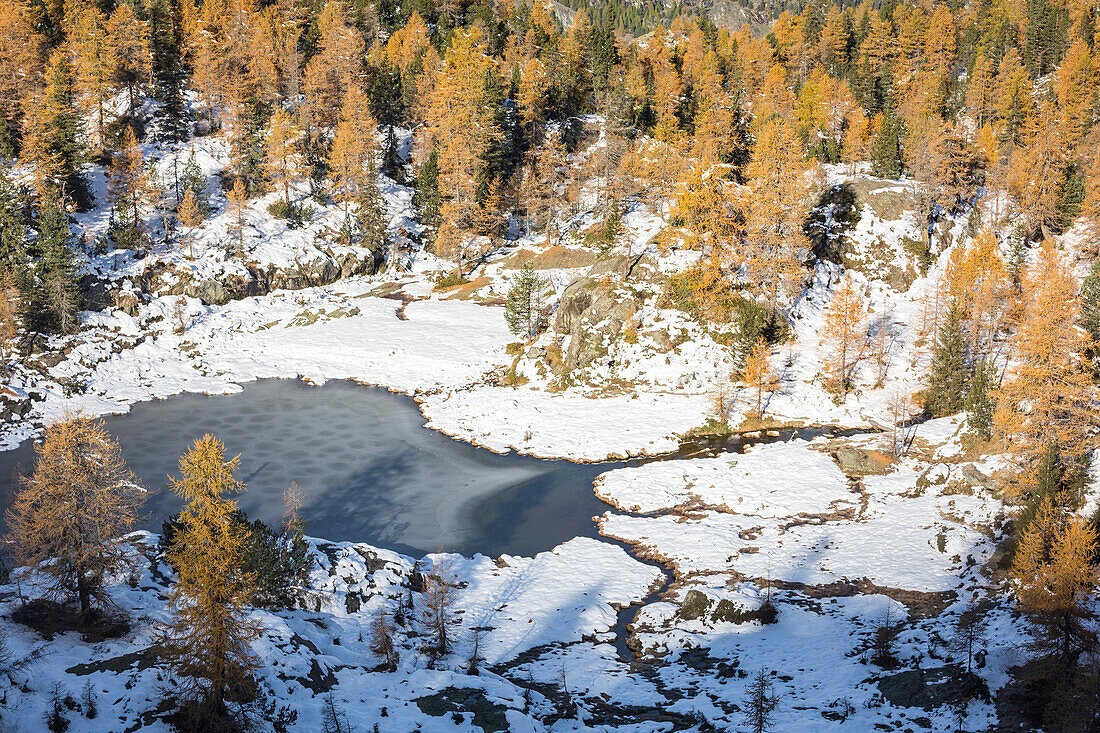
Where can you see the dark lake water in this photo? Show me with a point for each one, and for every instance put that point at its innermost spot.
(372, 471)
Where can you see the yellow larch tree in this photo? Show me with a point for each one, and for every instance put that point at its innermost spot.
(129, 40)
(94, 61)
(1046, 398)
(283, 162)
(978, 282)
(238, 205)
(21, 57)
(353, 149)
(190, 218)
(1056, 574)
(336, 66)
(453, 116)
(73, 510)
(1035, 176)
(843, 333)
(780, 180)
(1076, 86)
(759, 377)
(209, 636)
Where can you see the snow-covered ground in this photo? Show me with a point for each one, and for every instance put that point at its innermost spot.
(779, 522)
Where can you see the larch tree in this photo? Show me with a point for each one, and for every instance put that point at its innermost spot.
(283, 163)
(209, 636)
(128, 38)
(547, 174)
(453, 121)
(1056, 575)
(437, 602)
(1046, 398)
(190, 217)
(760, 703)
(1037, 170)
(73, 510)
(337, 65)
(844, 333)
(352, 168)
(381, 640)
(780, 179)
(126, 183)
(978, 282)
(95, 59)
(759, 377)
(21, 48)
(238, 206)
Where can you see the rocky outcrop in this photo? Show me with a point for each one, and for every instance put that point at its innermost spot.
(593, 311)
(13, 402)
(859, 462)
(165, 279)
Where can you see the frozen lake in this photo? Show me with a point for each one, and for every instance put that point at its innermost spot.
(372, 471)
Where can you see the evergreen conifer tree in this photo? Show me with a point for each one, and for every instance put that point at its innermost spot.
(886, 155)
(426, 198)
(950, 369)
(192, 179)
(169, 72)
(525, 303)
(979, 400)
(57, 272)
(371, 214)
(13, 234)
(1090, 311)
(65, 124)
(391, 164)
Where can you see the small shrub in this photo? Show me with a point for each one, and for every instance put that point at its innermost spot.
(294, 214)
(702, 293)
(88, 701)
(452, 279)
(55, 718)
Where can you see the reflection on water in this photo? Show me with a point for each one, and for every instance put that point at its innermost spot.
(372, 472)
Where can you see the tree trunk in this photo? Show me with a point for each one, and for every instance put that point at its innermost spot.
(83, 592)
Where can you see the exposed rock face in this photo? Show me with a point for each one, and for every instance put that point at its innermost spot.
(256, 280)
(592, 312)
(857, 462)
(13, 402)
(932, 688)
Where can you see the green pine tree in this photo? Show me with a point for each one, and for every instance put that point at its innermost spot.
(371, 214)
(14, 258)
(391, 163)
(886, 157)
(526, 302)
(66, 131)
(192, 179)
(950, 370)
(57, 271)
(169, 72)
(426, 198)
(1089, 300)
(979, 400)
